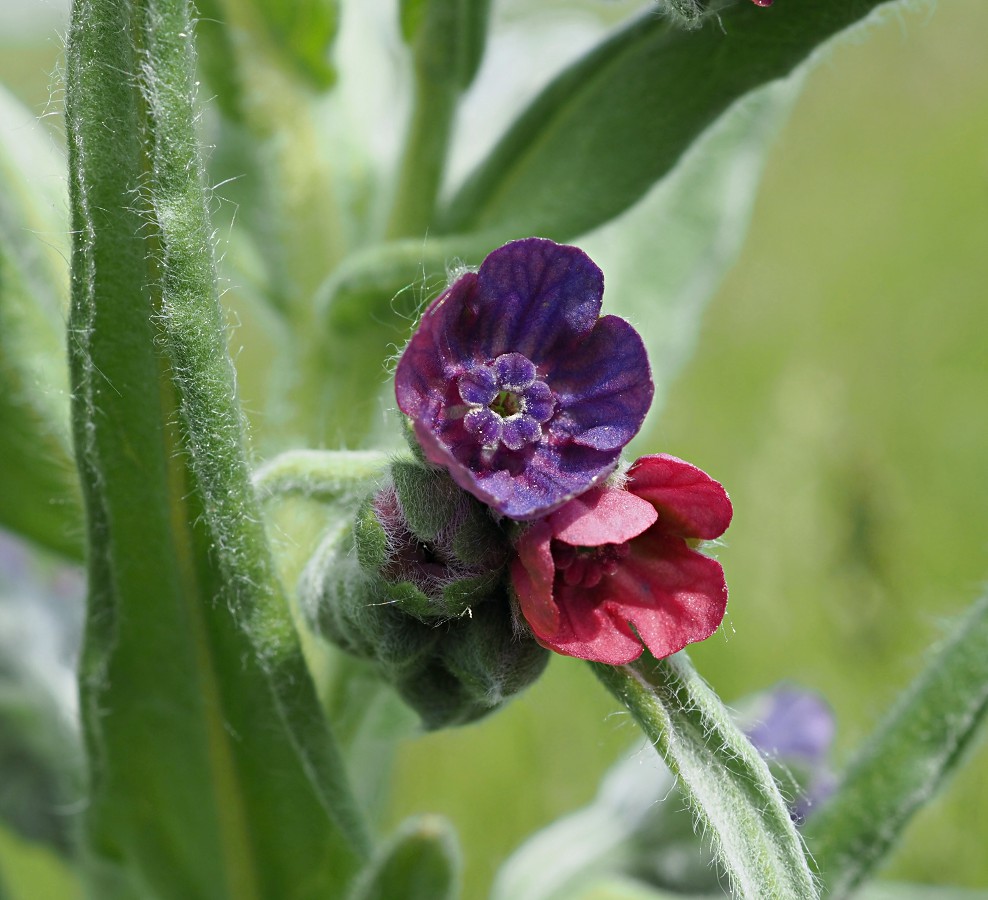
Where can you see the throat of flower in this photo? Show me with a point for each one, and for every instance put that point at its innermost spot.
(507, 403)
(587, 566)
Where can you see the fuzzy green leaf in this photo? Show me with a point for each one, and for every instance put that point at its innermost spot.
(39, 495)
(725, 779)
(617, 120)
(906, 762)
(213, 772)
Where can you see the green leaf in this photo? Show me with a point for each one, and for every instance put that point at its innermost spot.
(725, 779)
(617, 120)
(618, 888)
(907, 761)
(894, 891)
(421, 862)
(365, 313)
(31, 871)
(39, 495)
(261, 59)
(213, 773)
(40, 745)
(298, 33)
(664, 259)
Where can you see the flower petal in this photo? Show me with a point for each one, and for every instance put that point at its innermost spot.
(478, 386)
(488, 426)
(603, 387)
(539, 403)
(672, 595)
(536, 296)
(602, 516)
(689, 502)
(514, 371)
(520, 431)
(532, 574)
(421, 377)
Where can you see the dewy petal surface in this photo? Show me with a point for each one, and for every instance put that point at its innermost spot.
(602, 516)
(689, 502)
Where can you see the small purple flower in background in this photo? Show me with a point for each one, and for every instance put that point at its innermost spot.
(517, 386)
(795, 728)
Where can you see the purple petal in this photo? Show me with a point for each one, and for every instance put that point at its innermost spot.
(514, 372)
(537, 296)
(604, 388)
(539, 403)
(478, 386)
(520, 431)
(488, 426)
(794, 723)
(421, 377)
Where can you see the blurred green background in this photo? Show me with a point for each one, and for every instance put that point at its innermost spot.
(839, 391)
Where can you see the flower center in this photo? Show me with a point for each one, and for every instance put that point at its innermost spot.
(507, 403)
(587, 566)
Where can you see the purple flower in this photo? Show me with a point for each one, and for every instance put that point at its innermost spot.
(515, 384)
(796, 728)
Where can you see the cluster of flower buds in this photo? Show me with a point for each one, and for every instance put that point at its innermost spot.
(514, 528)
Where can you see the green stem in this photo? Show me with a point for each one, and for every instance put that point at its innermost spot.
(424, 157)
(726, 780)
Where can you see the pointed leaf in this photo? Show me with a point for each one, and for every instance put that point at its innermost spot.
(213, 772)
(617, 120)
(907, 761)
(421, 862)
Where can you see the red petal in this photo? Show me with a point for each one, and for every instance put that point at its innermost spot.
(587, 631)
(672, 595)
(602, 516)
(532, 574)
(689, 502)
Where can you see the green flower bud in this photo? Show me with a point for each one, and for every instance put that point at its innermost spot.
(434, 544)
(357, 612)
(418, 586)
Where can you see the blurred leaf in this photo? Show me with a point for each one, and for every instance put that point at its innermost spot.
(365, 313)
(213, 771)
(617, 888)
(298, 33)
(664, 259)
(39, 494)
(261, 59)
(620, 118)
(907, 760)
(421, 862)
(895, 891)
(448, 37)
(594, 842)
(41, 611)
(32, 872)
(725, 779)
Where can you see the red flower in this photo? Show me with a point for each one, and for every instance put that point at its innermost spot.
(613, 569)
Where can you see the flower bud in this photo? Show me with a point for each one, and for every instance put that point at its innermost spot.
(418, 585)
(434, 545)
